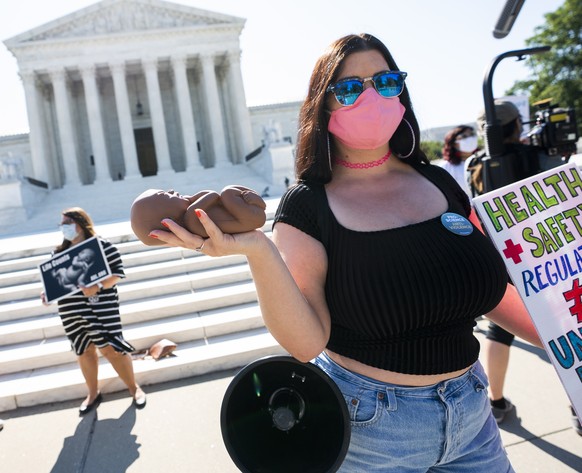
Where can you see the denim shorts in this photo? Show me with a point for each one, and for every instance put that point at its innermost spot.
(444, 427)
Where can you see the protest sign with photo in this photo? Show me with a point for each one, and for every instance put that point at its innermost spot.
(84, 264)
(536, 225)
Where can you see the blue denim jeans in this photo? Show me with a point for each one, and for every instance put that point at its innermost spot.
(445, 427)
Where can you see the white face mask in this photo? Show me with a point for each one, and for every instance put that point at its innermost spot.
(467, 144)
(69, 231)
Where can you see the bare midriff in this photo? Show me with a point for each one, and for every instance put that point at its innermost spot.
(392, 377)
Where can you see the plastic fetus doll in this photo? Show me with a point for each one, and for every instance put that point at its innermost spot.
(236, 209)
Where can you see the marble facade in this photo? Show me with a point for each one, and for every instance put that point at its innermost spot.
(129, 88)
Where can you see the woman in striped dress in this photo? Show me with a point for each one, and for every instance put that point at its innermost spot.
(91, 317)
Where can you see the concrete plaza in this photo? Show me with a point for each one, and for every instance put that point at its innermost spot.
(180, 430)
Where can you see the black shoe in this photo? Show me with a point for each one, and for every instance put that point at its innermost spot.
(89, 407)
(500, 413)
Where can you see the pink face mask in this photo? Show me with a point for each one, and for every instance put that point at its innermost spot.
(369, 123)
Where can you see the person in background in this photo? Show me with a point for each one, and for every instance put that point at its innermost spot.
(368, 276)
(496, 347)
(91, 317)
(459, 144)
(498, 341)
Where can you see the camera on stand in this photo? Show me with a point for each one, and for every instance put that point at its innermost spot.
(555, 129)
(553, 138)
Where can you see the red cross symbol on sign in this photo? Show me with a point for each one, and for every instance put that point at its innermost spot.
(513, 251)
(575, 295)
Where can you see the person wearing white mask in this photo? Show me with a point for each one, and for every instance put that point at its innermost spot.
(91, 316)
(459, 144)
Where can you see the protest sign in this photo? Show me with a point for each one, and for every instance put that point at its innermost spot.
(84, 264)
(536, 225)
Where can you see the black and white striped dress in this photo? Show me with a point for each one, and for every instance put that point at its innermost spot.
(96, 319)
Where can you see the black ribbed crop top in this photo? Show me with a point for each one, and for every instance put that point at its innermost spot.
(403, 299)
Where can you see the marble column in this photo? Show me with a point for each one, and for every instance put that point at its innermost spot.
(125, 122)
(157, 116)
(242, 120)
(186, 116)
(214, 111)
(98, 145)
(40, 169)
(65, 127)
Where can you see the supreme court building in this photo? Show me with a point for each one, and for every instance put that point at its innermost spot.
(130, 88)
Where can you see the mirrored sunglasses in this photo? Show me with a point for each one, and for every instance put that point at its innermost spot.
(387, 84)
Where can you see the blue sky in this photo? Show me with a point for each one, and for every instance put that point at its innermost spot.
(444, 45)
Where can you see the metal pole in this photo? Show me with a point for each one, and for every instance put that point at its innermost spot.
(493, 132)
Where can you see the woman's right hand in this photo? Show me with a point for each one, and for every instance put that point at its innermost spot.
(43, 298)
(217, 243)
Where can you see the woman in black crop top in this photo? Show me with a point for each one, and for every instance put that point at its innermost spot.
(376, 272)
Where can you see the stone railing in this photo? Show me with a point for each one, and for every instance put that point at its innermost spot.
(10, 168)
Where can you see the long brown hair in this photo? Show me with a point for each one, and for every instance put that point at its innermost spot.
(311, 161)
(81, 218)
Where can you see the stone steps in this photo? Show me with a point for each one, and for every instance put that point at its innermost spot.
(208, 306)
(47, 326)
(52, 351)
(178, 278)
(65, 382)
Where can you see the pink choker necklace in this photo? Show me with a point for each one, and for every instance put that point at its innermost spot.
(369, 164)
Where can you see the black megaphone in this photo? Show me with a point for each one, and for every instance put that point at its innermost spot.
(282, 416)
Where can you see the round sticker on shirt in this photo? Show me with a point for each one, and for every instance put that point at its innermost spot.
(456, 224)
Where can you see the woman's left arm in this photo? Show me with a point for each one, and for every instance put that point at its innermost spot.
(110, 281)
(512, 315)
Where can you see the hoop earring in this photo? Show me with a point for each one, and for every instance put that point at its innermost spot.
(328, 152)
(403, 156)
